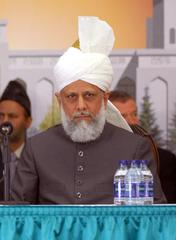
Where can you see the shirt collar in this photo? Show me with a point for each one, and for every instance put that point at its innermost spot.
(19, 150)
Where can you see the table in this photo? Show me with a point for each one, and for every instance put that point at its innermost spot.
(76, 222)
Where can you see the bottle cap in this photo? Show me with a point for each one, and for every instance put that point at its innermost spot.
(144, 161)
(136, 162)
(123, 162)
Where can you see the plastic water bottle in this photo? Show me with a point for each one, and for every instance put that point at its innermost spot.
(148, 183)
(119, 183)
(134, 186)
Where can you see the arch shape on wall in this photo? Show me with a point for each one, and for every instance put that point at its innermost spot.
(128, 85)
(159, 94)
(44, 99)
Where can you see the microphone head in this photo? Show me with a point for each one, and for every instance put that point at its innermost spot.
(6, 128)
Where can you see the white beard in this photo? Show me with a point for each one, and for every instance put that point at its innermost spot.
(83, 131)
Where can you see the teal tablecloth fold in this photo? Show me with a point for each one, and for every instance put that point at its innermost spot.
(75, 222)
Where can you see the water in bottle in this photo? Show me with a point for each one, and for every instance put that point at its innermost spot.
(134, 186)
(148, 183)
(119, 184)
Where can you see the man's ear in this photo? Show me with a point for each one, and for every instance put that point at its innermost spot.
(28, 122)
(106, 96)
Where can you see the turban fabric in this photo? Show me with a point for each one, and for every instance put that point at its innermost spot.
(90, 63)
(94, 68)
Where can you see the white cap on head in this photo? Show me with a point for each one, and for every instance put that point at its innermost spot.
(90, 63)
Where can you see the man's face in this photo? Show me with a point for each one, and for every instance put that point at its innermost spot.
(81, 101)
(128, 110)
(11, 111)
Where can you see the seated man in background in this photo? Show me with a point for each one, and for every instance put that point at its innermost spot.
(15, 107)
(167, 160)
(74, 162)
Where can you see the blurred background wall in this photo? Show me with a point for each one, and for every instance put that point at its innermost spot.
(52, 24)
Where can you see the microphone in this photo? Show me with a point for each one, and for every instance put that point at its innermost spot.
(6, 128)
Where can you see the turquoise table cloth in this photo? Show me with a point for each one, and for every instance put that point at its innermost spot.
(75, 222)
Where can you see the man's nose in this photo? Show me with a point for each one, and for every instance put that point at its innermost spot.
(81, 104)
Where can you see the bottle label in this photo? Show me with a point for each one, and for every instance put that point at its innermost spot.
(150, 189)
(132, 190)
(142, 189)
(119, 189)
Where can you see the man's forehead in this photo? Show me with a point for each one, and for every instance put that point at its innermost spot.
(10, 106)
(80, 85)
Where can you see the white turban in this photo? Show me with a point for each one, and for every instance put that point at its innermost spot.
(94, 68)
(90, 63)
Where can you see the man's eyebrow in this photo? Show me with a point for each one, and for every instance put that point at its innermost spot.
(8, 113)
(70, 93)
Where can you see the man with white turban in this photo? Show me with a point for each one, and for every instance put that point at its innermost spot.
(74, 162)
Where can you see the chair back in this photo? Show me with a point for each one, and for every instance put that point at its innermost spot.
(141, 131)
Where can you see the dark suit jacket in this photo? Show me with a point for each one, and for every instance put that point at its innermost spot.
(1, 178)
(55, 170)
(12, 166)
(167, 173)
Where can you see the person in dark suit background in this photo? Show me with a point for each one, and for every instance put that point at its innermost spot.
(167, 173)
(15, 107)
(167, 160)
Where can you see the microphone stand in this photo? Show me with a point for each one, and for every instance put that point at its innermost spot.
(6, 173)
(6, 129)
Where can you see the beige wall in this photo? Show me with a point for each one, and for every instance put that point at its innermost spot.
(52, 24)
